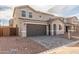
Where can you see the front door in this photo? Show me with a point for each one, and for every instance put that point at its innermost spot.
(54, 29)
(67, 28)
(49, 30)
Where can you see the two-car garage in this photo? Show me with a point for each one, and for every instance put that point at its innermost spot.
(36, 30)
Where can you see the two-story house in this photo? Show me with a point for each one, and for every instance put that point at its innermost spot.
(31, 22)
(71, 23)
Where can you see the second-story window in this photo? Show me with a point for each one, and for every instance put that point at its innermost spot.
(23, 13)
(30, 14)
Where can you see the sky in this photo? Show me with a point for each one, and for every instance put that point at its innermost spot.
(60, 10)
(5, 14)
(65, 10)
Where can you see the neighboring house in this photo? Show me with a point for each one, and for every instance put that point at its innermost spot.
(35, 23)
(71, 23)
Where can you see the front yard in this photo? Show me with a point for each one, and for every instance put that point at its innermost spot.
(31, 45)
(13, 45)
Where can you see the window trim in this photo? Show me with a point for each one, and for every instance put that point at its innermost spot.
(23, 13)
(30, 15)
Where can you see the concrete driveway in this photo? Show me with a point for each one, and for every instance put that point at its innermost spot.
(51, 41)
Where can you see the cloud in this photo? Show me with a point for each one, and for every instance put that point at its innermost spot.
(5, 11)
(57, 9)
(4, 22)
(70, 10)
(5, 15)
(3, 7)
(65, 10)
(43, 8)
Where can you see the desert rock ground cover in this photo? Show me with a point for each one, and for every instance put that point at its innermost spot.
(19, 45)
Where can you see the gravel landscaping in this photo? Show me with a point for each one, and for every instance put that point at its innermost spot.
(31, 45)
(17, 45)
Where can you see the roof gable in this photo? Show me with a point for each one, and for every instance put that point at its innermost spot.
(24, 6)
(56, 18)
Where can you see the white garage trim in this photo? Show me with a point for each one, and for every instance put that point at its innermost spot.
(41, 23)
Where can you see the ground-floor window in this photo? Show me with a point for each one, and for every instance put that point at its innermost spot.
(60, 27)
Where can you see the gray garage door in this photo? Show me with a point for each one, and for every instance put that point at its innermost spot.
(36, 30)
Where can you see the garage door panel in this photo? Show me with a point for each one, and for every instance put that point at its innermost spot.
(36, 30)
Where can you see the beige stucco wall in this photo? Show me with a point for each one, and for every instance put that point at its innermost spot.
(23, 27)
(57, 22)
(36, 15)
